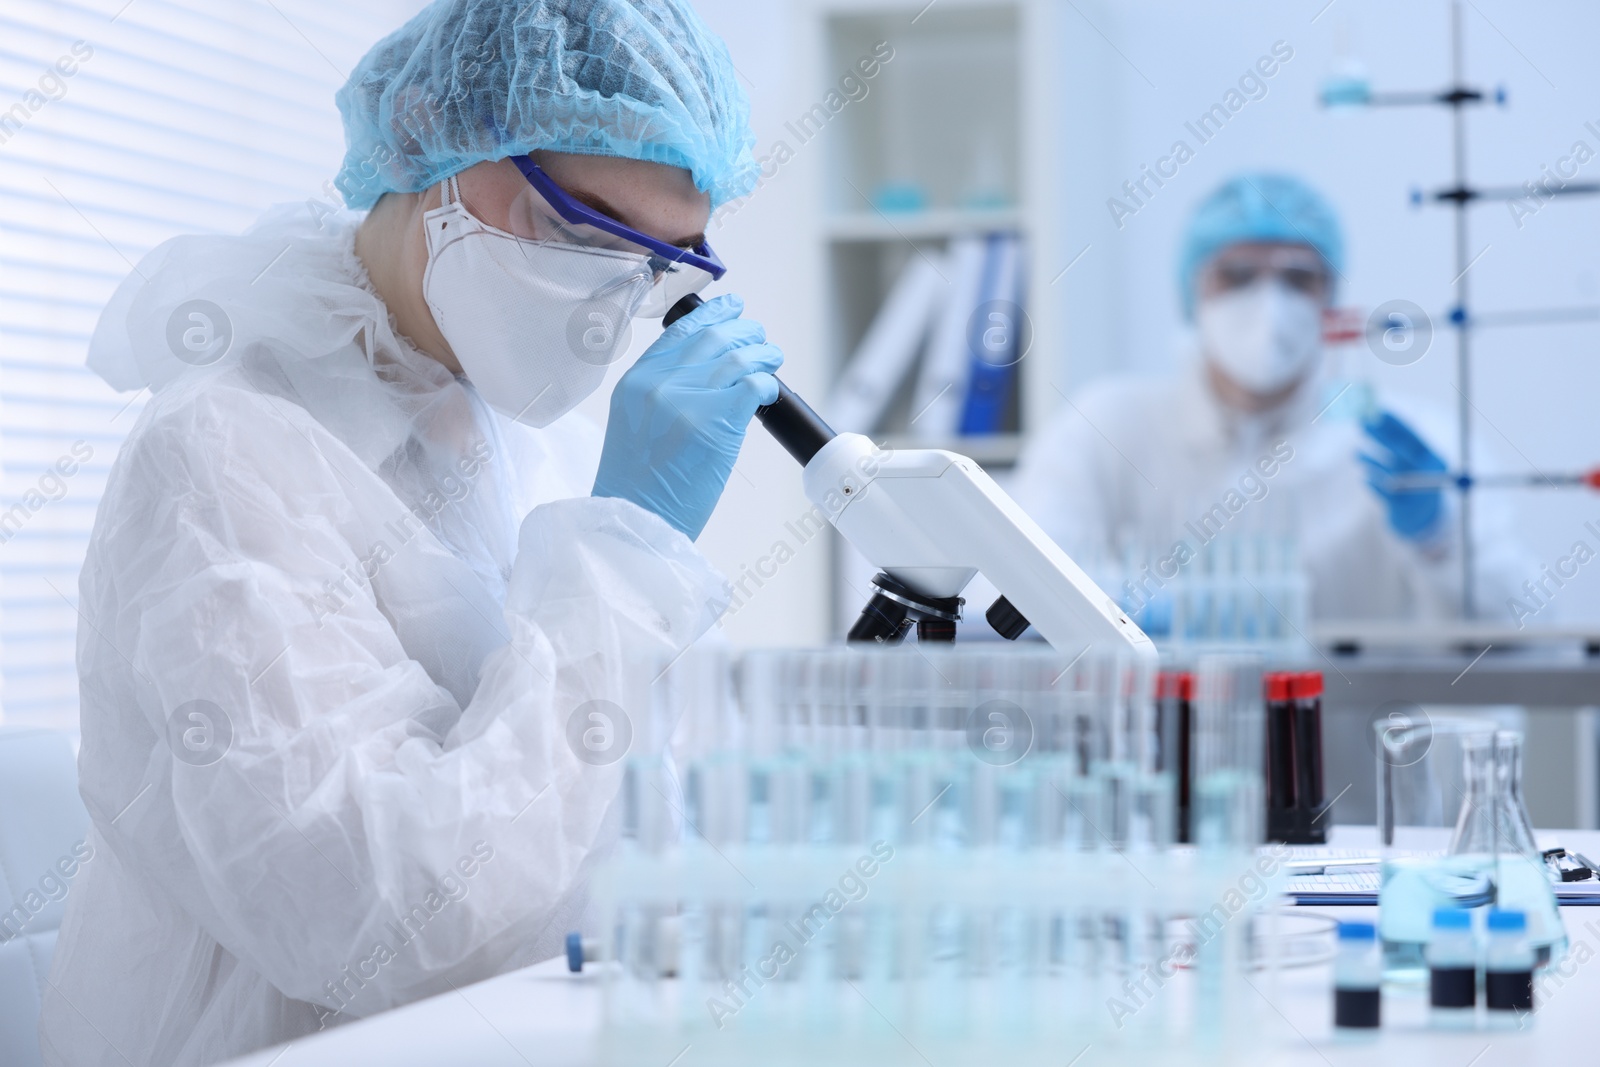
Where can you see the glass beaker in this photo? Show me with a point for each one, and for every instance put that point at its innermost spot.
(1436, 828)
(1522, 881)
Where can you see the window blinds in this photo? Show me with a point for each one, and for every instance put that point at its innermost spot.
(123, 124)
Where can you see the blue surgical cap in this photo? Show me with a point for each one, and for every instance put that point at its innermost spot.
(1258, 207)
(472, 80)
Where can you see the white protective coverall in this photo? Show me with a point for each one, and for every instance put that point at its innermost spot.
(1134, 463)
(395, 599)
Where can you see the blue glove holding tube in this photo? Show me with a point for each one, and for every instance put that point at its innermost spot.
(1415, 510)
(679, 415)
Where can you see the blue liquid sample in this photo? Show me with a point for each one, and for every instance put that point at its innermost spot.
(1453, 987)
(1356, 1008)
(1411, 889)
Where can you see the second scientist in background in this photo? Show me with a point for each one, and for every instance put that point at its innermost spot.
(1149, 470)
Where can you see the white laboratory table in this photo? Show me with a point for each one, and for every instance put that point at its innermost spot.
(547, 1017)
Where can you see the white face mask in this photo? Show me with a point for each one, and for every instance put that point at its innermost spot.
(534, 324)
(1264, 336)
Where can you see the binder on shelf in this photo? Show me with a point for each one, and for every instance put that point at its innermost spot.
(942, 384)
(994, 332)
(885, 355)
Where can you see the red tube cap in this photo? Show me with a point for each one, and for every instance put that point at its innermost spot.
(1306, 685)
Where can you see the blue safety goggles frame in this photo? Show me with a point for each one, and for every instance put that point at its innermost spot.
(701, 257)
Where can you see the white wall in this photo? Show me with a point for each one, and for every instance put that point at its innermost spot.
(1161, 63)
(773, 251)
(770, 245)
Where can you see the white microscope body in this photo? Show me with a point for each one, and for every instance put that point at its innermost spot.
(932, 519)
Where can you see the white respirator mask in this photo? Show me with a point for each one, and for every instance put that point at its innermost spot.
(534, 324)
(1264, 336)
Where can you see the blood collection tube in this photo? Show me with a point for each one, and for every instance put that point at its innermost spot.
(1183, 706)
(1305, 691)
(1280, 769)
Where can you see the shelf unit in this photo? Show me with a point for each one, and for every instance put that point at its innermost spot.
(932, 225)
(960, 112)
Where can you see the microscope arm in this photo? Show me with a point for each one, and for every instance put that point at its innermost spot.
(932, 519)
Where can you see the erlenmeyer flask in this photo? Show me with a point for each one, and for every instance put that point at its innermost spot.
(1435, 829)
(1475, 833)
(1468, 871)
(1522, 881)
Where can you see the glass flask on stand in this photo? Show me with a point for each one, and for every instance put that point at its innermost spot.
(1522, 881)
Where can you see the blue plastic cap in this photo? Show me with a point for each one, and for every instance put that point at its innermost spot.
(575, 953)
(1358, 932)
(1507, 920)
(1452, 919)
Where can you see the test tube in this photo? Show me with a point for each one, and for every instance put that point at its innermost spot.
(1229, 808)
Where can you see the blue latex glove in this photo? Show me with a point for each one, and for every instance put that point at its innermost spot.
(678, 416)
(1414, 512)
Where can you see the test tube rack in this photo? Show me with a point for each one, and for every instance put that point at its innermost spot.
(871, 852)
(868, 956)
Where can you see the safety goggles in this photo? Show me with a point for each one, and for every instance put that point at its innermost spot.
(546, 212)
(1300, 269)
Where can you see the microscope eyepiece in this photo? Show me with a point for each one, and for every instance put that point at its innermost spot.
(800, 431)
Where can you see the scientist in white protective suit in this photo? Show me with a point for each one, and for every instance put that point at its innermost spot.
(356, 591)
(1241, 439)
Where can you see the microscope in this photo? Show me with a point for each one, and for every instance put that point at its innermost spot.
(930, 521)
